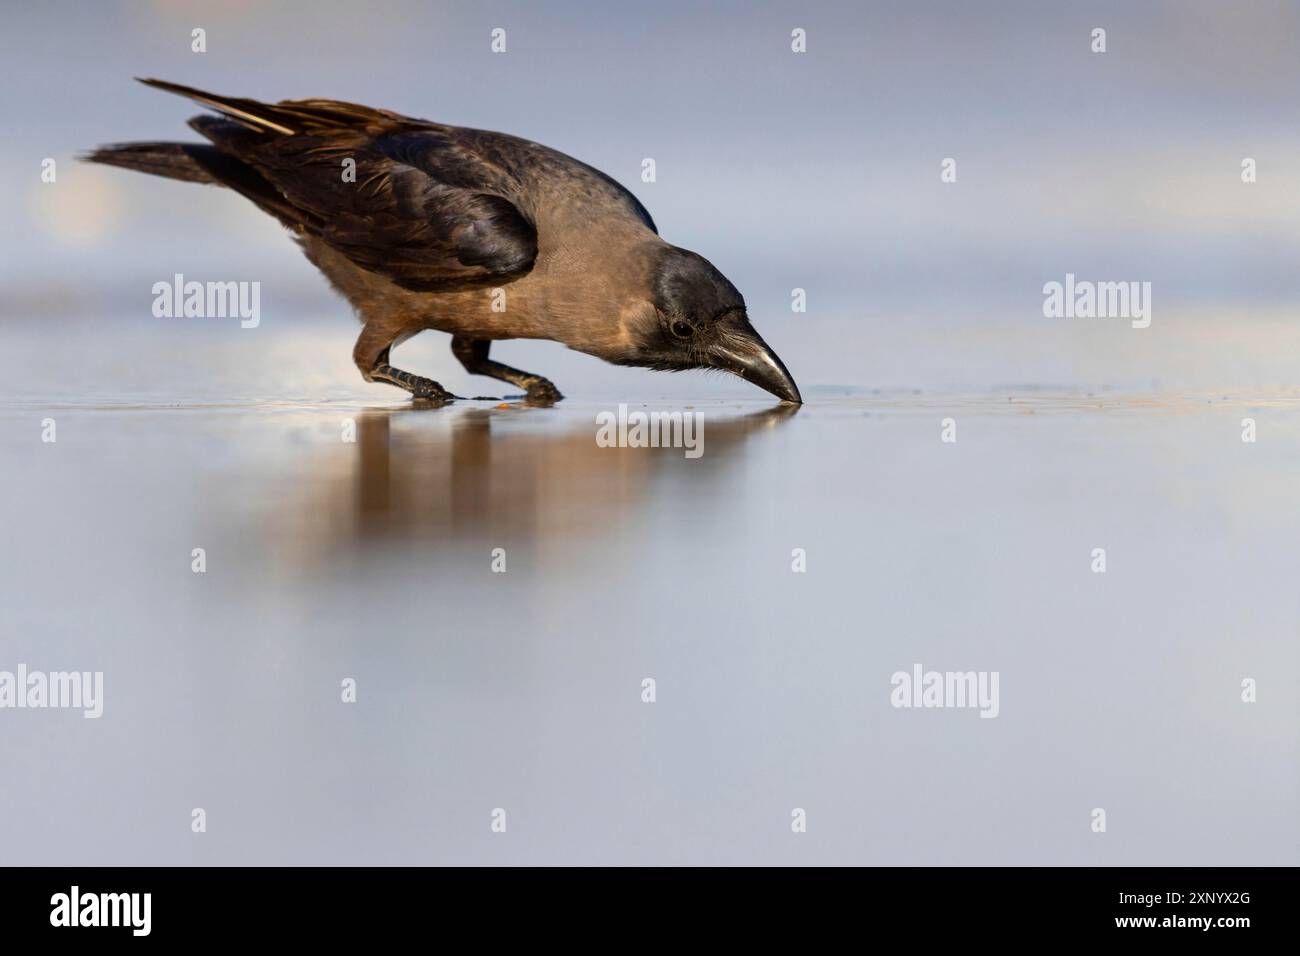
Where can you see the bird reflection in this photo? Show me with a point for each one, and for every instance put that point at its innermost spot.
(510, 472)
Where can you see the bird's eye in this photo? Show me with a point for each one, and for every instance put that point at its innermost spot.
(682, 330)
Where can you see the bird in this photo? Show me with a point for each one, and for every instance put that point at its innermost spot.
(420, 225)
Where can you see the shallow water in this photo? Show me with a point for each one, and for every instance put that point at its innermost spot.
(329, 559)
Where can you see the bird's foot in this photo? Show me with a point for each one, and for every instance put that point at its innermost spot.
(422, 389)
(434, 393)
(541, 392)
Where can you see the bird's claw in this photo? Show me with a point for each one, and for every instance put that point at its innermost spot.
(542, 393)
(437, 395)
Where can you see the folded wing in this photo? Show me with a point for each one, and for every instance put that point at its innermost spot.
(410, 200)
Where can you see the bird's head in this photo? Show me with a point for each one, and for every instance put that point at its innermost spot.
(698, 320)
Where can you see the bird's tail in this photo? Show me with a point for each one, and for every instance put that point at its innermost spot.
(191, 162)
(225, 165)
(198, 162)
(286, 118)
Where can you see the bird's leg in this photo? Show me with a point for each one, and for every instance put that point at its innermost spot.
(417, 385)
(473, 354)
(371, 356)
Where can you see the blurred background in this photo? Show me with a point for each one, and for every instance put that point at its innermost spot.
(817, 171)
(329, 559)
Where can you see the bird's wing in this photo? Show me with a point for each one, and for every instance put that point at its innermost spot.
(410, 200)
(415, 206)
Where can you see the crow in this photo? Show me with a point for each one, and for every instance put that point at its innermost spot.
(487, 236)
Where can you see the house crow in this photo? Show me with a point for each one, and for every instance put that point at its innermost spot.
(483, 235)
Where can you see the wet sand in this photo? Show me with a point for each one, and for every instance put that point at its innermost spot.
(373, 560)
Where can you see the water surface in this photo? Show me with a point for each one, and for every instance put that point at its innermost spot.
(373, 560)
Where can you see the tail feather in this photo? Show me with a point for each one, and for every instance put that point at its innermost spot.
(259, 116)
(288, 117)
(232, 162)
(173, 160)
(200, 163)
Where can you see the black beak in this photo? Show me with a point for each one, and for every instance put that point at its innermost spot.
(748, 356)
